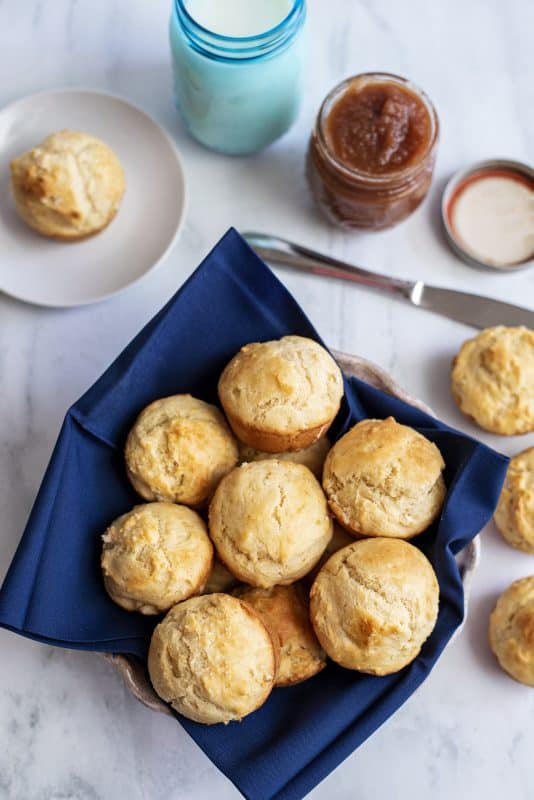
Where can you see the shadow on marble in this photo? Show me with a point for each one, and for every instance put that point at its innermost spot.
(27, 453)
(476, 631)
(436, 373)
(279, 171)
(30, 308)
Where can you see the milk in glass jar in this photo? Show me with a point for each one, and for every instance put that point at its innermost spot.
(238, 69)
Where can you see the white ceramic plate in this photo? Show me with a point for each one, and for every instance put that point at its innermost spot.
(49, 273)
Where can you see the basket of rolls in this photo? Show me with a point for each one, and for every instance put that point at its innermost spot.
(269, 540)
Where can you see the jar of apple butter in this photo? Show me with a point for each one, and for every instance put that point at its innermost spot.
(372, 151)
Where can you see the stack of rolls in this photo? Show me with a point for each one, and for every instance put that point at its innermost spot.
(237, 527)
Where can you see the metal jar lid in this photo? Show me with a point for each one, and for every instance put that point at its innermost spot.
(461, 180)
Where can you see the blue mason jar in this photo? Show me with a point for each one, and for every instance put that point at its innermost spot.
(237, 94)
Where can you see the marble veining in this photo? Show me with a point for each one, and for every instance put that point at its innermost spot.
(68, 728)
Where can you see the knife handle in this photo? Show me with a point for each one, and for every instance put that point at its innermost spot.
(280, 251)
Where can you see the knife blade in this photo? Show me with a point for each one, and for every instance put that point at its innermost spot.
(471, 309)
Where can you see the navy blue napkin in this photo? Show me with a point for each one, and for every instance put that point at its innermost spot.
(53, 591)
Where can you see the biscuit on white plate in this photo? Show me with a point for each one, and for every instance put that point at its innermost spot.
(68, 187)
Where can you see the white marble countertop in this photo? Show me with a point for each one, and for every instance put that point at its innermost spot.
(68, 727)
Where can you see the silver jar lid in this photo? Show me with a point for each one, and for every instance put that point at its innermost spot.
(497, 212)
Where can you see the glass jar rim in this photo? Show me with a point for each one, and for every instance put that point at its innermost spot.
(225, 47)
(351, 172)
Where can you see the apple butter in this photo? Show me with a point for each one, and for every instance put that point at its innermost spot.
(372, 152)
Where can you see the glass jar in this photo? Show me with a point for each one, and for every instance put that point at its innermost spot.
(237, 94)
(354, 198)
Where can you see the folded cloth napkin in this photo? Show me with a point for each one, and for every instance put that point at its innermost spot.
(53, 591)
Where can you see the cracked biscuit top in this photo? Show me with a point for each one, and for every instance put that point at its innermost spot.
(68, 187)
(492, 379)
(384, 479)
(281, 395)
(269, 522)
(374, 604)
(155, 556)
(212, 659)
(179, 449)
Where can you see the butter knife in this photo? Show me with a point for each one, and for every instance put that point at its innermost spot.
(471, 309)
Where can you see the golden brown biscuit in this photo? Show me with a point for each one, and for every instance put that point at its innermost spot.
(284, 609)
(312, 457)
(374, 604)
(68, 187)
(511, 630)
(492, 379)
(212, 659)
(154, 556)
(281, 395)
(269, 522)
(179, 449)
(514, 516)
(220, 580)
(384, 479)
